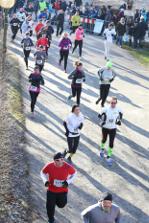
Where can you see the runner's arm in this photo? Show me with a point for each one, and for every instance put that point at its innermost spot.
(71, 177)
(117, 220)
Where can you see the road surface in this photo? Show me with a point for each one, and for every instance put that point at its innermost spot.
(128, 178)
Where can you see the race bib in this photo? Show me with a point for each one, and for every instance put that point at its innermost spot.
(39, 62)
(28, 48)
(65, 48)
(111, 120)
(33, 88)
(79, 81)
(58, 183)
(15, 24)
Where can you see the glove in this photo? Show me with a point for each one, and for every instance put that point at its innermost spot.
(80, 126)
(47, 183)
(118, 122)
(65, 184)
(67, 133)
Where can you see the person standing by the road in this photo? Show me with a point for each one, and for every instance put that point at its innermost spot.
(110, 117)
(64, 44)
(36, 80)
(109, 34)
(79, 35)
(73, 125)
(120, 30)
(75, 22)
(78, 77)
(27, 43)
(15, 25)
(106, 76)
(102, 212)
(60, 22)
(57, 176)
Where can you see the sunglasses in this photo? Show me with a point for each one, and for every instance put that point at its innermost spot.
(113, 103)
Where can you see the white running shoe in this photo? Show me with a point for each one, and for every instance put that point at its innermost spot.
(109, 161)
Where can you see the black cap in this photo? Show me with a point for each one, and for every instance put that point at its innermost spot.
(58, 156)
(106, 196)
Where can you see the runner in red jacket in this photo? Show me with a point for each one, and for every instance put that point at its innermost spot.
(57, 176)
(38, 27)
(43, 41)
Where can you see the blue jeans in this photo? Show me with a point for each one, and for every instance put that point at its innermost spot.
(119, 40)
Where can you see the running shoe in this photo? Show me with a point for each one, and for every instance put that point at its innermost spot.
(70, 96)
(102, 153)
(65, 153)
(109, 161)
(69, 159)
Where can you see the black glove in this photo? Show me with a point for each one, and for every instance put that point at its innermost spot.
(118, 122)
(103, 124)
(80, 126)
(67, 133)
(47, 183)
(65, 184)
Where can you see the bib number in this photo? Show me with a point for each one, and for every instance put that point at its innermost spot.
(28, 48)
(79, 81)
(33, 88)
(58, 183)
(15, 24)
(66, 48)
(39, 62)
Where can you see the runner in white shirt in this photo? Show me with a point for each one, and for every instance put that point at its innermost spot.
(109, 33)
(73, 125)
(110, 117)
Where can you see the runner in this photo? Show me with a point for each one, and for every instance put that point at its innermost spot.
(106, 76)
(78, 77)
(43, 41)
(75, 22)
(36, 80)
(102, 212)
(27, 43)
(15, 25)
(40, 57)
(79, 34)
(38, 28)
(27, 26)
(21, 16)
(57, 176)
(60, 22)
(109, 34)
(73, 125)
(64, 44)
(110, 117)
(49, 30)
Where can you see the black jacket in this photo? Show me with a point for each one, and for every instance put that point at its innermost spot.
(120, 29)
(36, 80)
(142, 28)
(60, 19)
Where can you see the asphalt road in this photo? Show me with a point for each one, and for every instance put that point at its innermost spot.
(128, 178)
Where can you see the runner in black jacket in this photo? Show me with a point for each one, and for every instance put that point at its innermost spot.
(36, 80)
(15, 25)
(77, 77)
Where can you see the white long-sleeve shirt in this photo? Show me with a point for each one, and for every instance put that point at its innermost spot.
(73, 122)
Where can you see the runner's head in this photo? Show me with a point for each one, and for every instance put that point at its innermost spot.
(80, 26)
(58, 159)
(106, 201)
(78, 65)
(21, 10)
(41, 48)
(37, 70)
(27, 34)
(75, 109)
(77, 12)
(65, 35)
(109, 65)
(14, 15)
(110, 26)
(113, 102)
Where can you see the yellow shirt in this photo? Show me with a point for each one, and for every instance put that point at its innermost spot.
(75, 20)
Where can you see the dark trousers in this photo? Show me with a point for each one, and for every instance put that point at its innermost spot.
(60, 28)
(111, 133)
(64, 55)
(73, 143)
(14, 33)
(104, 91)
(80, 44)
(53, 199)
(26, 56)
(34, 96)
(41, 66)
(73, 29)
(76, 91)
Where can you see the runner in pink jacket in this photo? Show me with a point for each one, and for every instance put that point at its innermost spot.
(79, 35)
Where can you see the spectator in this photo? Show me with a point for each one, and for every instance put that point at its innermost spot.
(142, 28)
(120, 30)
(130, 28)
